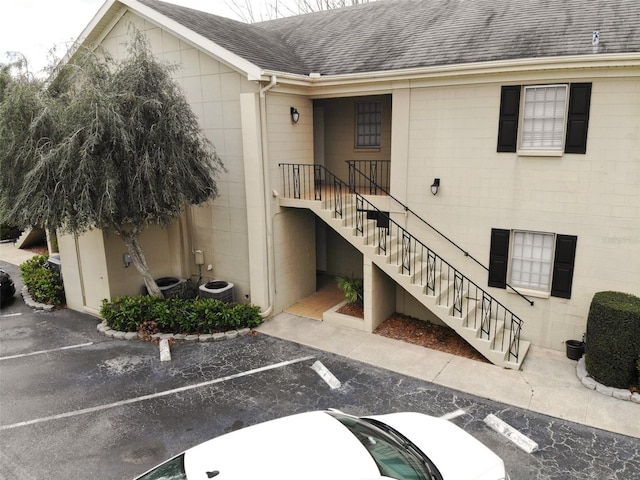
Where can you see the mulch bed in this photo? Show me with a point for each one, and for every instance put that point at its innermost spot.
(420, 332)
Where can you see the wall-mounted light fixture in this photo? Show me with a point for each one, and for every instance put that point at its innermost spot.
(435, 185)
(295, 116)
(126, 259)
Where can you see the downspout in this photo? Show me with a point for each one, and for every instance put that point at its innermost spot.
(267, 200)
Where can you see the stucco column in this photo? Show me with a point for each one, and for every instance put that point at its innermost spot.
(379, 294)
(255, 194)
(400, 123)
(367, 294)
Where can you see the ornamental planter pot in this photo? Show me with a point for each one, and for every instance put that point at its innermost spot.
(575, 349)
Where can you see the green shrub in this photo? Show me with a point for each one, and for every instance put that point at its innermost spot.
(44, 284)
(174, 315)
(613, 338)
(9, 232)
(352, 289)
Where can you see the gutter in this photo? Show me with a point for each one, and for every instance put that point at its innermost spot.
(267, 200)
(613, 60)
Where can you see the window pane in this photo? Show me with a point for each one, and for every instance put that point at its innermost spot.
(393, 458)
(171, 470)
(543, 117)
(368, 124)
(531, 260)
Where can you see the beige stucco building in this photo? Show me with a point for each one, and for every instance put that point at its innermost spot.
(529, 119)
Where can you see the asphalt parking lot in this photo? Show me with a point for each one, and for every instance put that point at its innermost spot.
(77, 404)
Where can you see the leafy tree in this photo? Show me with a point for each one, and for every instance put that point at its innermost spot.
(106, 144)
(21, 101)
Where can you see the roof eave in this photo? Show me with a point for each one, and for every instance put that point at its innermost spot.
(462, 70)
(113, 10)
(88, 34)
(252, 71)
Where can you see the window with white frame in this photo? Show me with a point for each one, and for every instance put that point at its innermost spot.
(368, 124)
(531, 260)
(543, 117)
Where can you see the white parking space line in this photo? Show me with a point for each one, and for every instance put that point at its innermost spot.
(11, 315)
(154, 395)
(69, 347)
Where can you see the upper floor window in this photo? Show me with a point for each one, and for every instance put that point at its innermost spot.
(368, 124)
(543, 117)
(551, 118)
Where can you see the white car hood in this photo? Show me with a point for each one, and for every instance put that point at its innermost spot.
(456, 454)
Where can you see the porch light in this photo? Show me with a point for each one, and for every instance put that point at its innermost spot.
(435, 185)
(295, 116)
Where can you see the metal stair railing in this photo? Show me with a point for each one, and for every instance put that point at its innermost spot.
(370, 176)
(360, 181)
(467, 301)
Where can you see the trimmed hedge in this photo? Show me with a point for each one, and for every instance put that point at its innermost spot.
(175, 315)
(613, 339)
(43, 283)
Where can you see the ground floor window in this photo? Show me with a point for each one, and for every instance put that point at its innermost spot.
(531, 259)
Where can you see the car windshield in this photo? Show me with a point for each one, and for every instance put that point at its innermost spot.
(170, 470)
(393, 458)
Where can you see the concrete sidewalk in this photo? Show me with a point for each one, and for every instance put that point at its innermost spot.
(547, 382)
(15, 256)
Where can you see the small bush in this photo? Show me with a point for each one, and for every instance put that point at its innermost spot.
(43, 283)
(352, 289)
(613, 338)
(174, 315)
(9, 232)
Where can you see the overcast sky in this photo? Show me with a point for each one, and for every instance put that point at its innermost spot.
(34, 27)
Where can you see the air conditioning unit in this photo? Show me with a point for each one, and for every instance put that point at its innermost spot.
(218, 289)
(172, 286)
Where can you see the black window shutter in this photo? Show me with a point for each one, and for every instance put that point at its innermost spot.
(578, 118)
(499, 258)
(563, 265)
(508, 123)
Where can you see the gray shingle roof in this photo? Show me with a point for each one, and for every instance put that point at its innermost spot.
(400, 34)
(262, 48)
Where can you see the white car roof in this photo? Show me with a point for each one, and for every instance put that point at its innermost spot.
(309, 446)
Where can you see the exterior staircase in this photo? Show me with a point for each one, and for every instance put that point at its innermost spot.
(487, 325)
(30, 237)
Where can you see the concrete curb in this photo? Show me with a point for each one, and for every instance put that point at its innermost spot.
(503, 428)
(592, 384)
(203, 337)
